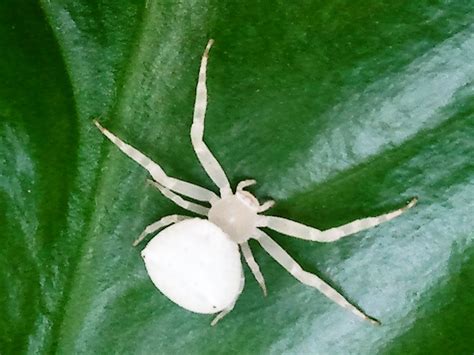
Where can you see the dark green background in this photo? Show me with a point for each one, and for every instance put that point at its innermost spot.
(340, 110)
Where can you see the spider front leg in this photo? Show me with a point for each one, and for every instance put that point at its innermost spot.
(185, 188)
(187, 205)
(298, 230)
(163, 222)
(208, 161)
(285, 260)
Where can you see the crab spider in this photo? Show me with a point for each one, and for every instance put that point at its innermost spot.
(196, 262)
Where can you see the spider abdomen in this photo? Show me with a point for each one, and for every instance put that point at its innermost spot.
(196, 265)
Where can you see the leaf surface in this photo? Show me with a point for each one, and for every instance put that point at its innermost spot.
(339, 110)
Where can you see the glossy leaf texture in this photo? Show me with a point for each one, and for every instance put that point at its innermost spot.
(340, 109)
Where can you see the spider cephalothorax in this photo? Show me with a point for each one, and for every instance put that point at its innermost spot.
(195, 262)
(237, 214)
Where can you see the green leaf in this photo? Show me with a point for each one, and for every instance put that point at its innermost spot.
(340, 110)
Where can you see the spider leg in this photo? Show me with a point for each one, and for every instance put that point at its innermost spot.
(221, 315)
(285, 260)
(226, 311)
(248, 256)
(182, 187)
(208, 161)
(163, 222)
(299, 230)
(187, 205)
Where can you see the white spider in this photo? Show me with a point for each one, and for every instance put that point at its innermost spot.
(196, 262)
